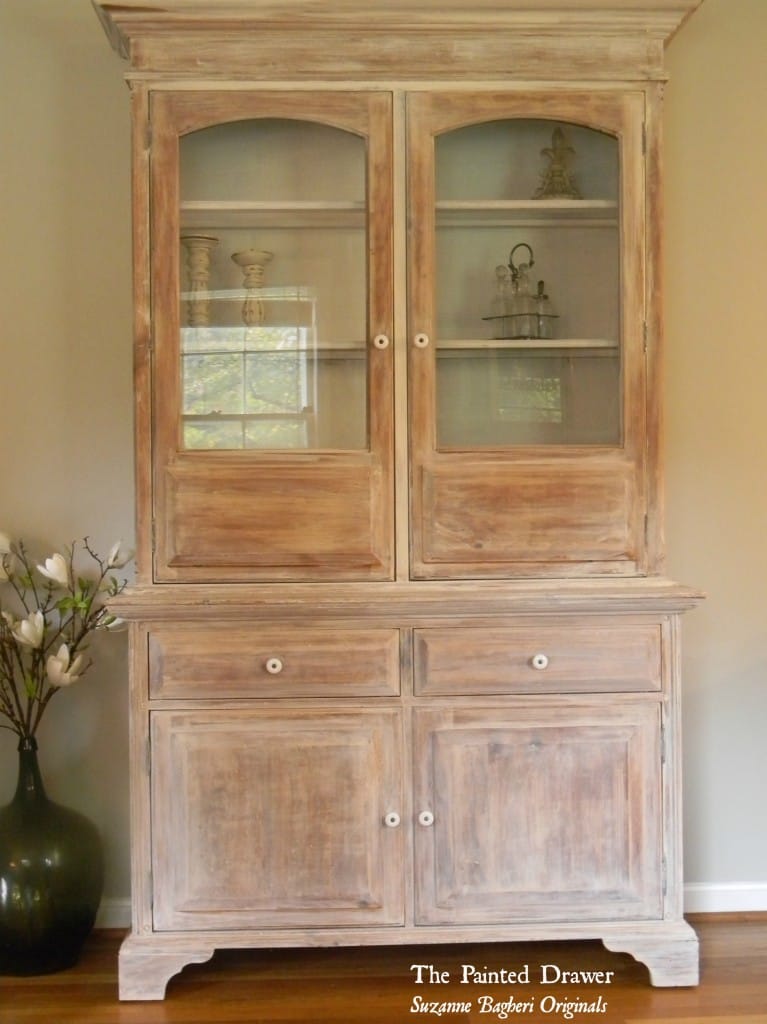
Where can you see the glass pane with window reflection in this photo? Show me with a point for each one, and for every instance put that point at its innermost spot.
(273, 303)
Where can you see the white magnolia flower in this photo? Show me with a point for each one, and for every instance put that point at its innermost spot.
(30, 631)
(60, 672)
(5, 544)
(55, 569)
(118, 556)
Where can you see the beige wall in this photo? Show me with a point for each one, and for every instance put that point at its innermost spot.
(716, 257)
(65, 373)
(65, 407)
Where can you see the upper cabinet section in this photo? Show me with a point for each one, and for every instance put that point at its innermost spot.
(272, 307)
(397, 287)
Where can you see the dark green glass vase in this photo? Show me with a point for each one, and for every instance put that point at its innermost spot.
(51, 877)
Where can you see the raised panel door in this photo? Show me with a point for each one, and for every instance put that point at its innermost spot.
(275, 819)
(547, 813)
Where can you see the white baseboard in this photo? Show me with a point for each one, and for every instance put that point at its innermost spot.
(114, 913)
(724, 897)
(699, 898)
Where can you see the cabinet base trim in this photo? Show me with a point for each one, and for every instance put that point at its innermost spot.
(670, 954)
(146, 966)
(669, 949)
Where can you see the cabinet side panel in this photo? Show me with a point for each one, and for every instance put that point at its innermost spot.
(142, 333)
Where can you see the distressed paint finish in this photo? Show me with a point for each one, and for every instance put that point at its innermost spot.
(257, 662)
(242, 833)
(540, 657)
(249, 515)
(283, 807)
(543, 814)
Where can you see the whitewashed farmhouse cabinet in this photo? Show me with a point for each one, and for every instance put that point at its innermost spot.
(405, 666)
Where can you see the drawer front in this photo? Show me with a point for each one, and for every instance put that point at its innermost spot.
(542, 658)
(241, 662)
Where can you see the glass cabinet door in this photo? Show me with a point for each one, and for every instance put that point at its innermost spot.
(526, 364)
(273, 362)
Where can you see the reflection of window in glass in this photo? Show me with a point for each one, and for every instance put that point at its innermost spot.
(250, 388)
(529, 392)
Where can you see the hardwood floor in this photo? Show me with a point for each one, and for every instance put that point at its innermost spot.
(377, 985)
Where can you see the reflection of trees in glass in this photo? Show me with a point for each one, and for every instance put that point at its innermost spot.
(251, 386)
(528, 394)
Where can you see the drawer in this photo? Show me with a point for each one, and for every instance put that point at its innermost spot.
(237, 661)
(544, 658)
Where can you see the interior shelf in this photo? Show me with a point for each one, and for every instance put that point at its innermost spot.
(457, 344)
(199, 214)
(578, 213)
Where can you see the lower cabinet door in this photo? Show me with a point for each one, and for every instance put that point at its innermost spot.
(526, 813)
(275, 819)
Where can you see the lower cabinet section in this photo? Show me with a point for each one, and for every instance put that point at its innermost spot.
(276, 819)
(538, 814)
(290, 818)
(401, 779)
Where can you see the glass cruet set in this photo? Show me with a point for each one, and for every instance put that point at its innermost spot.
(518, 312)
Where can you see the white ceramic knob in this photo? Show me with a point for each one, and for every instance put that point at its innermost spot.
(539, 661)
(380, 341)
(426, 818)
(392, 819)
(421, 340)
(273, 666)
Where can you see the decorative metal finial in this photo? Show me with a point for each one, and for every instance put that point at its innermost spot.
(557, 181)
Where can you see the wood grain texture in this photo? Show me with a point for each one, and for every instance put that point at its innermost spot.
(230, 662)
(142, 332)
(275, 819)
(576, 785)
(499, 518)
(544, 39)
(421, 602)
(250, 517)
(585, 657)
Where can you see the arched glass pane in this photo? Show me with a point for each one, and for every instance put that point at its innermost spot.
(528, 285)
(273, 274)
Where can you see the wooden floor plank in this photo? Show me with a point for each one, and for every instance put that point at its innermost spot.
(376, 986)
